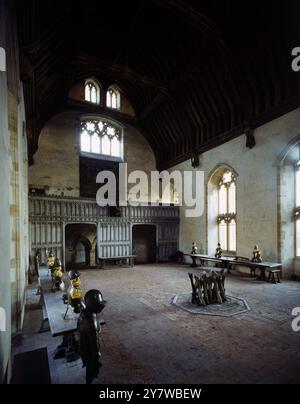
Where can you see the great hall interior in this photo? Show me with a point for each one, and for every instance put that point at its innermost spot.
(145, 291)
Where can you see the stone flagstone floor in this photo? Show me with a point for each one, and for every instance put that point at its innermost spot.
(146, 339)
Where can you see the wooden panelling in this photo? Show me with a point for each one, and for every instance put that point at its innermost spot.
(49, 216)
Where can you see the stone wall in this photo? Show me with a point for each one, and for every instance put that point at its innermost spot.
(264, 192)
(264, 188)
(77, 93)
(56, 163)
(13, 187)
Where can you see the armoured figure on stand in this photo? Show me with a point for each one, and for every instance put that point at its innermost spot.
(219, 251)
(194, 248)
(89, 329)
(57, 281)
(51, 263)
(36, 262)
(74, 295)
(256, 255)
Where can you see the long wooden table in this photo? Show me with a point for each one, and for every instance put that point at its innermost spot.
(60, 325)
(262, 266)
(55, 307)
(224, 261)
(227, 263)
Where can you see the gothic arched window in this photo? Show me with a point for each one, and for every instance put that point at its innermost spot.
(297, 210)
(101, 137)
(226, 218)
(113, 98)
(92, 92)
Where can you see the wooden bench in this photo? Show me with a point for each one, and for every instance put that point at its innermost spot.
(127, 258)
(274, 275)
(45, 320)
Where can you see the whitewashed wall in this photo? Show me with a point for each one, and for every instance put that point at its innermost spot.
(258, 193)
(14, 255)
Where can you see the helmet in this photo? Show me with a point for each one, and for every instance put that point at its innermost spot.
(59, 284)
(62, 286)
(73, 275)
(94, 301)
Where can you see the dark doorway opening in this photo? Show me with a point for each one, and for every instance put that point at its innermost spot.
(144, 243)
(81, 245)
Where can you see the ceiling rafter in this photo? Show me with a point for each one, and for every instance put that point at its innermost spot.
(194, 73)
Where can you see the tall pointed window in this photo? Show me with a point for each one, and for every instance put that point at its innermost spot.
(297, 210)
(92, 92)
(101, 138)
(227, 212)
(113, 98)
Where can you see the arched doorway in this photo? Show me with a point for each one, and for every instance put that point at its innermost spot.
(82, 250)
(80, 242)
(144, 243)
